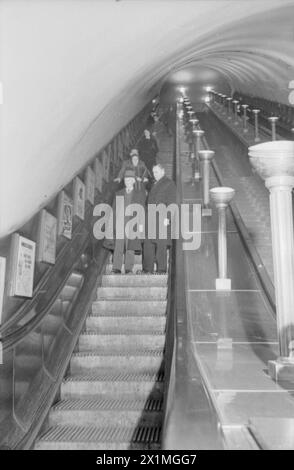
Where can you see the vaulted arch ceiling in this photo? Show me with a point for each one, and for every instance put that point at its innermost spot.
(74, 72)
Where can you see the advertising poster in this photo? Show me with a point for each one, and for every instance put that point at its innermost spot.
(65, 214)
(22, 266)
(79, 198)
(46, 246)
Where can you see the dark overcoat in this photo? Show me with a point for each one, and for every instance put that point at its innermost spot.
(148, 150)
(137, 197)
(164, 192)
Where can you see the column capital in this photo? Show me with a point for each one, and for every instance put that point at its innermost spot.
(273, 159)
(273, 118)
(222, 196)
(198, 132)
(206, 155)
(280, 183)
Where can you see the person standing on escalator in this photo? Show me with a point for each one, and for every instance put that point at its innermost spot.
(138, 167)
(163, 193)
(126, 245)
(148, 150)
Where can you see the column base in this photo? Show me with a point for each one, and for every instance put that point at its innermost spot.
(282, 369)
(245, 131)
(224, 343)
(257, 139)
(223, 284)
(206, 212)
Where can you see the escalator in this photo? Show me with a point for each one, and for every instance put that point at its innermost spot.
(112, 398)
(156, 362)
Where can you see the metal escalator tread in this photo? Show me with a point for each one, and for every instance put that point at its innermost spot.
(116, 376)
(141, 434)
(117, 332)
(120, 352)
(127, 315)
(151, 404)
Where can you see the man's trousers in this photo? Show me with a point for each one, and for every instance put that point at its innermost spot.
(155, 251)
(119, 250)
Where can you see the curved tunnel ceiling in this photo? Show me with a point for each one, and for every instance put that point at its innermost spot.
(74, 72)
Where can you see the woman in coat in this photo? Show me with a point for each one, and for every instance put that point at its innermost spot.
(138, 167)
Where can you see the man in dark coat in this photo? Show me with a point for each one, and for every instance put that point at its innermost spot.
(148, 149)
(155, 248)
(127, 244)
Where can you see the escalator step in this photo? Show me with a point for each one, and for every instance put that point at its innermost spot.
(92, 437)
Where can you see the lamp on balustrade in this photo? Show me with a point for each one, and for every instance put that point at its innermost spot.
(193, 121)
(245, 128)
(229, 100)
(256, 129)
(273, 120)
(222, 196)
(235, 102)
(224, 100)
(198, 134)
(205, 157)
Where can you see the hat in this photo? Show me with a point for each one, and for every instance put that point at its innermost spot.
(129, 174)
(134, 152)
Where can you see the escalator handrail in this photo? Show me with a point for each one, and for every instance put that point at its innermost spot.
(181, 347)
(24, 309)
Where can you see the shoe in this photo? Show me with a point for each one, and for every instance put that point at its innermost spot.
(116, 271)
(129, 271)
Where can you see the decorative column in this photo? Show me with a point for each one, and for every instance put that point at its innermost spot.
(229, 100)
(205, 157)
(194, 121)
(198, 133)
(219, 100)
(273, 120)
(224, 104)
(190, 115)
(221, 196)
(245, 128)
(235, 102)
(256, 129)
(274, 161)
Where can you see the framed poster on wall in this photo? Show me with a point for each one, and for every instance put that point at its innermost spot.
(98, 174)
(22, 266)
(90, 185)
(79, 198)
(65, 211)
(2, 284)
(46, 241)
